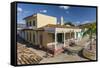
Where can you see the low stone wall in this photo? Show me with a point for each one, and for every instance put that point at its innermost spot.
(89, 54)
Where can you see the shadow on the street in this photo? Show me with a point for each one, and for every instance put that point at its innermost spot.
(81, 55)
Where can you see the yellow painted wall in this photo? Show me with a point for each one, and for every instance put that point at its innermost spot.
(38, 37)
(43, 20)
(25, 35)
(28, 20)
(28, 38)
(47, 38)
(32, 33)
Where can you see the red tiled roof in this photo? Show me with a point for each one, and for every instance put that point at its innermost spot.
(58, 26)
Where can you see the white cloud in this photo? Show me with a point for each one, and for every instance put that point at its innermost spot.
(21, 22)
(44, 11)
(77, 23)
(64, 7)
(86, 22)
(19, 9)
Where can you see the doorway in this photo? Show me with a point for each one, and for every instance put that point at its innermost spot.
(60, 37)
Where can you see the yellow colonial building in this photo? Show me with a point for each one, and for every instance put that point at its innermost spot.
(43, 31)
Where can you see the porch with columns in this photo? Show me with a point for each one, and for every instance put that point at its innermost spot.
(63, 31)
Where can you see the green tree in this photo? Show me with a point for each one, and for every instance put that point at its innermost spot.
(90, 30)
(69, 23)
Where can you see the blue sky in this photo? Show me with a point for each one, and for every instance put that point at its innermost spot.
(77, 15)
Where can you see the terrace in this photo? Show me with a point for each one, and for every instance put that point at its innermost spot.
(62, 37)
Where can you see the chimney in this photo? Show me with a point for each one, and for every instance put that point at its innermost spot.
(62, 22)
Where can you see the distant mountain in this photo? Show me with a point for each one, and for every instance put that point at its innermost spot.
(86, 25)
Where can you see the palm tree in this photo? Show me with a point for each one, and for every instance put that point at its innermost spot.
(90, 30)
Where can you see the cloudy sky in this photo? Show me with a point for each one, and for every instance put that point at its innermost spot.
(77, 15)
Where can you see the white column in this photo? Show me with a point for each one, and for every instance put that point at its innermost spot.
(75, 35)
(24, 35)
(55, 40)
(64, 39)
(70, 34)
(79, 36)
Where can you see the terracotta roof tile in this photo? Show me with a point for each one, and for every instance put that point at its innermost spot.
(58, 26)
